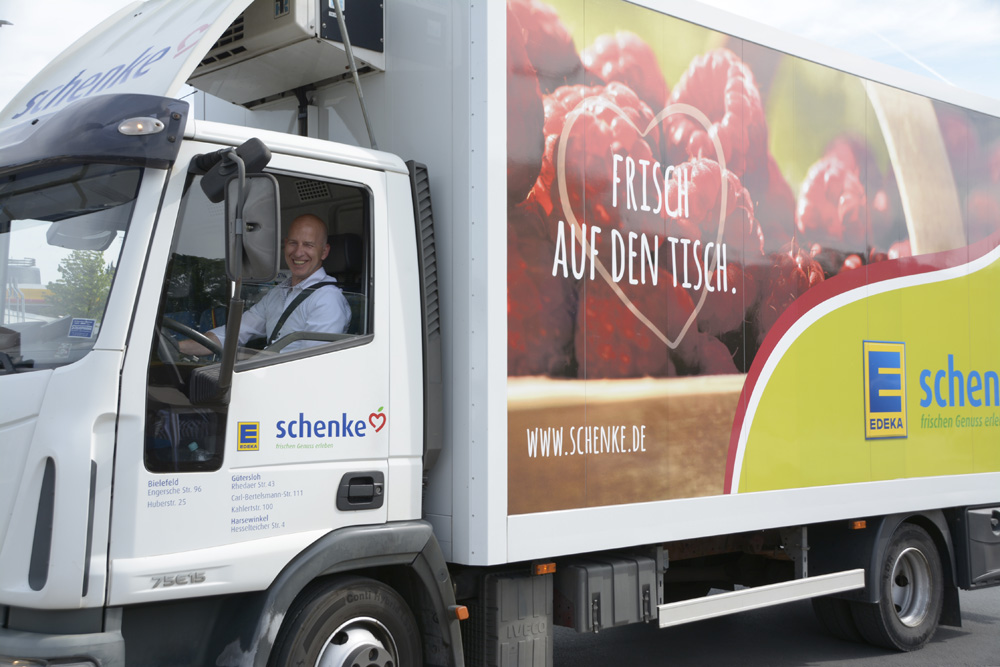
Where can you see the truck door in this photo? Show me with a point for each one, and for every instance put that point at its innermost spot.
(223, 495)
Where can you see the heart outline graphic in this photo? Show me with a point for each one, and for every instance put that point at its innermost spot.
(577, 227)
(377, 416)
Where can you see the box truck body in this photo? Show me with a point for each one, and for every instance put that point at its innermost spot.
(665, 302)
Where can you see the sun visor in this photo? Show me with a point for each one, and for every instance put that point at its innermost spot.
(147, 47)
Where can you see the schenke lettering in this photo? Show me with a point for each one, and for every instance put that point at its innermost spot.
(321, 428)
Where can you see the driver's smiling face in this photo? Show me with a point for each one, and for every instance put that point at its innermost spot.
(305, 247)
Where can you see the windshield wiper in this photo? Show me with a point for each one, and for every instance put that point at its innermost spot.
(10, 367)
(8, 363)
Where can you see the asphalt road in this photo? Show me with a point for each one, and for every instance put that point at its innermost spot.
(782, 636)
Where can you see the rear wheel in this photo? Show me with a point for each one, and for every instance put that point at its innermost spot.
(347, 623)
(911, 588)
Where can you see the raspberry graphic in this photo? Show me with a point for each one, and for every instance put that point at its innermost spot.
(724, 311)
(831, 207)
(548, 43)
(830, 259)
(875, 255)
(625, 57)
(775, 211)
(722, 87)
(541, 308)
(854, 153)
(834, 261)
(598, 133)
(709, 356)
(611, 342)
(901, 249)
(525, 117)
(884, 211)
(854, 261)
(896, 251)
(789, 275)
(556, 106)
(741, 233)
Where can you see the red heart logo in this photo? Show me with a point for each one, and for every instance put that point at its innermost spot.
(377, 417)
(574, 224)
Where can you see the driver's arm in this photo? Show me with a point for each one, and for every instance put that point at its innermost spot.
(252, 324)
(194, 349)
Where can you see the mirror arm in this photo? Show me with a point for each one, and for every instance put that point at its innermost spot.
(229, 350)
(235, 302)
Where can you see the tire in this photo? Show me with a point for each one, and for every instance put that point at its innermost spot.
(348, 622)
(911, 593)
(836, 617)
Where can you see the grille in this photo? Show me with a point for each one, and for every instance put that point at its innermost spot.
(228, 45)
(311, 190)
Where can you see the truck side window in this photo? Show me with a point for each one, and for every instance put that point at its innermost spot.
(346, 210)
(184, 430)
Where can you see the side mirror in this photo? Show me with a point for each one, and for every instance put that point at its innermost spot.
(252, 253)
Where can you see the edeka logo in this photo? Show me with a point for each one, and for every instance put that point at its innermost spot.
(885, 389)
(249, 436)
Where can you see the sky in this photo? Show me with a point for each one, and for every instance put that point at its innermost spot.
(957, 41)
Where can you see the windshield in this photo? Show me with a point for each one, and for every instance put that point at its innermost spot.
(61, 234)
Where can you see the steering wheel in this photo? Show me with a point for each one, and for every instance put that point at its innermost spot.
(193, 334)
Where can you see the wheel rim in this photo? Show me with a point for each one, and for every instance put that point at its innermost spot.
(361, 642)
(911, 587)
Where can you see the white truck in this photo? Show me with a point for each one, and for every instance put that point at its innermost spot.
(702, 319)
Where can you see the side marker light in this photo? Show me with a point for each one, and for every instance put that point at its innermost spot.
(141, 126)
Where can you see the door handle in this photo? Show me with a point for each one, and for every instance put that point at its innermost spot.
(361, 491)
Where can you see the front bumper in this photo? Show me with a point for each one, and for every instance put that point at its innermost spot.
(100, 649)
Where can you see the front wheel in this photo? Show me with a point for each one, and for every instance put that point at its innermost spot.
(348, 622)
(911, 593)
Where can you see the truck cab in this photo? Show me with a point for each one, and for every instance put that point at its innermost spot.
(132, 481)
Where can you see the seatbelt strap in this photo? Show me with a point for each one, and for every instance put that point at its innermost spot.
(292, 306)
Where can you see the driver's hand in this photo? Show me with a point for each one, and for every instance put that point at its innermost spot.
(194, 349)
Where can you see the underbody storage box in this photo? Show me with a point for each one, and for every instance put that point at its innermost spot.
(605, 591)
(979, 566)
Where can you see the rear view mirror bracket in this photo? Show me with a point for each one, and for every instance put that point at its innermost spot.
(218, 167)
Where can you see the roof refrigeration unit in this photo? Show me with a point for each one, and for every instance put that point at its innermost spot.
(276, 47)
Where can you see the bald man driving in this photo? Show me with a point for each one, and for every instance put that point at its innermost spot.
(324, 308)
